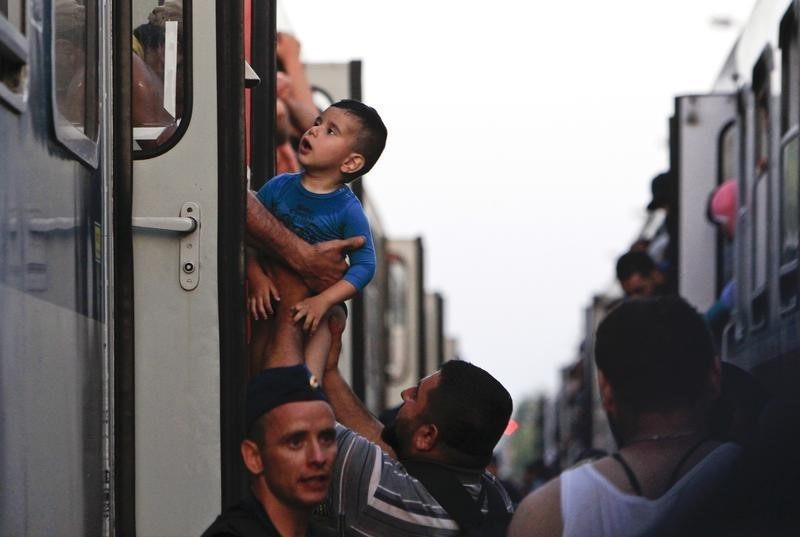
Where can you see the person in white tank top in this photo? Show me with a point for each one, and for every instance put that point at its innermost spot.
(658, 376)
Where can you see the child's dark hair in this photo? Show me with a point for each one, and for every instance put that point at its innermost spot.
(371, 139)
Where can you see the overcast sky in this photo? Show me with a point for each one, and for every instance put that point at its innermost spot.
(522, 140)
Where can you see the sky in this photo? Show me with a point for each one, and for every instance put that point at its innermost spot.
(522, 140)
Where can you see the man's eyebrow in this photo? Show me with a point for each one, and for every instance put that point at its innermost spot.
(299, 433)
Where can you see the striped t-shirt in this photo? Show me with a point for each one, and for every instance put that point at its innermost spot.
(371, 494)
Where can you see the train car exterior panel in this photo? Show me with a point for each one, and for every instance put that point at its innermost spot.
(52, 361)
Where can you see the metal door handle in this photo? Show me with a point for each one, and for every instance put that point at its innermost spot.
(187, 224)
(165, 223)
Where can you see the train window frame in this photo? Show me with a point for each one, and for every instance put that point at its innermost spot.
(14, 59)
(760, 189)
(185, 119)
(790, 138)
(85, 146)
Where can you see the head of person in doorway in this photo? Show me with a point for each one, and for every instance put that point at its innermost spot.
(638, 275)
(455, 416)
(291, 444)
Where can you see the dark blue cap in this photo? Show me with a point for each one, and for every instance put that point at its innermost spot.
(276, 386)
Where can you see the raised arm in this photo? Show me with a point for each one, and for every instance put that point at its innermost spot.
(319, 265)
(299, 99)
(349, 409)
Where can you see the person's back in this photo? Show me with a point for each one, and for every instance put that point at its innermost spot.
(592, 503)
(658, 377)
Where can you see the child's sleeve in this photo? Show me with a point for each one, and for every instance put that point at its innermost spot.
(362, 261)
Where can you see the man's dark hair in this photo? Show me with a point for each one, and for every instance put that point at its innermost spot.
(631, 263)
(371, 139)
(471, 410)
(656, 353)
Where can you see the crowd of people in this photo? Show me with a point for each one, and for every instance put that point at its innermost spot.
(321, 464)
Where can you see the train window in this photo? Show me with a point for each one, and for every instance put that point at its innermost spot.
(762, 130)
(729, 153)
(13, 53)
(790, 223)
(760, 192)
(790, 165)
(790, 72)
(160, 95)
(75, 76)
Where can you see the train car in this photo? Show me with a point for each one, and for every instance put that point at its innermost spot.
(129, 135)
(55, 370)
(122, 173)
(745, 129)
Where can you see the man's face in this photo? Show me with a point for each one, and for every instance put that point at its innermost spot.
(639, 285)
(298, 452)
(399, 434)
(327, 145)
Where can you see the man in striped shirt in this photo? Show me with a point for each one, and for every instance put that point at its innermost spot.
(423, 475)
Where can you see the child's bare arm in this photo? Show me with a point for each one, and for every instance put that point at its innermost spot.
(313, 308)
(261, 290)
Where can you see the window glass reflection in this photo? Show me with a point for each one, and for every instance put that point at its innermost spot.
(158, 77)
(75, 65)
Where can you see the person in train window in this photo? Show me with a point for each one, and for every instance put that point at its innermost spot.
(658, 377)
(289, 452)
(638, 275)
(317, 205)
(721, 211)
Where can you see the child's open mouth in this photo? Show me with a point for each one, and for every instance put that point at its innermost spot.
(305, 145)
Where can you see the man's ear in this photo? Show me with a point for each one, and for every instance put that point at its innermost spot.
(425, 437)
(353, 163)
(252, 457)
(606, 393)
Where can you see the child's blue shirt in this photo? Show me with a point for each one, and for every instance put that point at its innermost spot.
(322, 217)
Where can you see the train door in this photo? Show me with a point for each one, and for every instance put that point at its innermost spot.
(53, 368)
(701, 122)
(187, 215)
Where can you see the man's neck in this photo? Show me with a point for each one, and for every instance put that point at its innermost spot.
(288, 520)
(678, 424)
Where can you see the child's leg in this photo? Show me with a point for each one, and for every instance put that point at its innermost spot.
(285, 347)
(319, 344)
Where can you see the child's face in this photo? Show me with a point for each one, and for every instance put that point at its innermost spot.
(327, 147)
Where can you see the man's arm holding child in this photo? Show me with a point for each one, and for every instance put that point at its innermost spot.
(347, 407)
(319, 265)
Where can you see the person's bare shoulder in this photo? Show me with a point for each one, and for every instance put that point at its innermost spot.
(539, 514)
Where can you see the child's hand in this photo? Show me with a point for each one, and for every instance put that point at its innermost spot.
(262, 291)
(312, 309)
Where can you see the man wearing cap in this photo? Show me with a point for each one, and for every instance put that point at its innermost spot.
(289, 451)
(424, 474)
